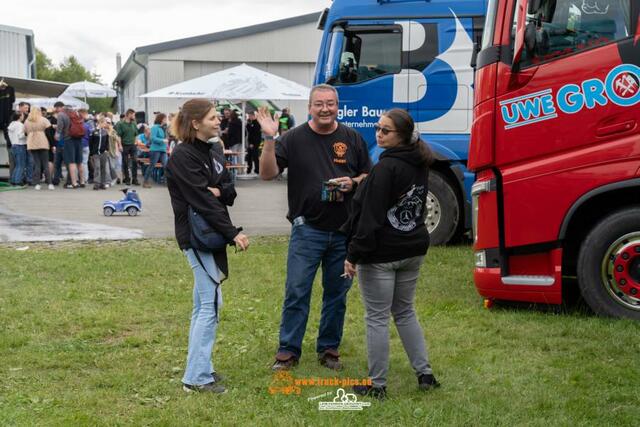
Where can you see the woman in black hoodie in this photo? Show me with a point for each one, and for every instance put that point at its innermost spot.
(194, 178)
(387, 244)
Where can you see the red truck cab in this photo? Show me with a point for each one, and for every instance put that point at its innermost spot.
(555, 144)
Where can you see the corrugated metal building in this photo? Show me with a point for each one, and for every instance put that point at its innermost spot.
(17, 52)
(287, 48)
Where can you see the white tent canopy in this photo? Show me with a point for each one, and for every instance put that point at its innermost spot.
(48, 102)
(241, 83)
(238, 83)
(89, 90)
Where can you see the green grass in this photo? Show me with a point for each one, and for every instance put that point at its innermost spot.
(96, 334)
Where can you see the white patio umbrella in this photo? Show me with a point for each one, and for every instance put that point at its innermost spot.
(48, 102)
(89, 90)
(241, 83)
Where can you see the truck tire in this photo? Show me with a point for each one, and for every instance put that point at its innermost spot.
(609, 265)
(443, 210)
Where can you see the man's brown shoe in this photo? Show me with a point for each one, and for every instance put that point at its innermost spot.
(331, 359)
(284, 362)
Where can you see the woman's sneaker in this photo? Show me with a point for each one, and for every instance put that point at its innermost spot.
(213, 387)
(51, 187)
(427, 382)
(369, 390)
(37, 187)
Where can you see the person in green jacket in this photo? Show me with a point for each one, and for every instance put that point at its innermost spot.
(127, 131)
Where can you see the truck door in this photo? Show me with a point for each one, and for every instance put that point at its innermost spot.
(370, 59)
(567, 95)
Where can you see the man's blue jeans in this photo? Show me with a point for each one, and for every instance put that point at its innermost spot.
(58, 161)
(308, 248)
(204, 318)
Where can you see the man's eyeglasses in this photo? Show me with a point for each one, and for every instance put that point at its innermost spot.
(320, 105)
(384, 131)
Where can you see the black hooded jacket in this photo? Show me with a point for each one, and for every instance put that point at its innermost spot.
(386, 222)
(191, 169)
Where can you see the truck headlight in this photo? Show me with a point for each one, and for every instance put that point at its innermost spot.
(477, 189)
(481, 259)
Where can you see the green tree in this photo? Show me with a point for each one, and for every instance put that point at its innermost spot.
(44, 66)
(70, 70)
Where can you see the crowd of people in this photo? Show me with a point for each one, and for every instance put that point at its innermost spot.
(70, 147)
(347, 216)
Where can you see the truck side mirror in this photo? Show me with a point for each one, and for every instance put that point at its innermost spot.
(332, 68)
(477, 45)
(518, 46)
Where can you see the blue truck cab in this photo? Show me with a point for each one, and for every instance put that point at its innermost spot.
(416, 55)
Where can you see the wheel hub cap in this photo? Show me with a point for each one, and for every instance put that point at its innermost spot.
(434, 212)
(621, 271)
(626, 269)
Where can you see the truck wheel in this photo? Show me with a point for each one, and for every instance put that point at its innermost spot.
(132, 211)
(107, 211)
(443, 212)
(609, 265)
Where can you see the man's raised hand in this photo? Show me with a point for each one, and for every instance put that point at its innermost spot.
(268, 124)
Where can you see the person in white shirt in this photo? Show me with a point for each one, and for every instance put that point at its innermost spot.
(21, 171)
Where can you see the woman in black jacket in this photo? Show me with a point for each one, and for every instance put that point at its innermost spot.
(194, 179)
(387, 242)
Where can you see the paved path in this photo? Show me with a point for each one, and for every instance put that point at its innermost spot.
(29, 215)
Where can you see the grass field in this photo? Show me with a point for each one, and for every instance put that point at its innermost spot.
(96, 334)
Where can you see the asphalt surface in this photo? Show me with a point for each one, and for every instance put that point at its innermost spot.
(28, 215)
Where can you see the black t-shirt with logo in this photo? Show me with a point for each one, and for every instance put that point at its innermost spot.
(313, 159)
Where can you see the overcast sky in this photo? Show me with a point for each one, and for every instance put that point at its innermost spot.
(95, 33)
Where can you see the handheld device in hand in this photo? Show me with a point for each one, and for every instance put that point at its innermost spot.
(331, 191)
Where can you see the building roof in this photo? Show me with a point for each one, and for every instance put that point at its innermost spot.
(229, 34)
(216, 37)
(34, 87)
(18, 30)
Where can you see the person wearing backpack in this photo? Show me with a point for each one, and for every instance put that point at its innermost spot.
(71, 129)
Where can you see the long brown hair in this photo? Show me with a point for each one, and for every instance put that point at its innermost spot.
(159, 118)
(194, 109)
(405, 126)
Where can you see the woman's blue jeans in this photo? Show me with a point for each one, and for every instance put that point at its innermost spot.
(155, 157)
(23, 169)
(204, 318)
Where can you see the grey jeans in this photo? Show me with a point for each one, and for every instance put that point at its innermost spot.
(100, 165)
(390, 289)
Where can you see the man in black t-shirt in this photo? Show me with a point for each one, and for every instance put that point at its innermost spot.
(325, 161)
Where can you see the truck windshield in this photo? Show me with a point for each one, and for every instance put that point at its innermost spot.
(569, 26)
(368, 54)
(489, 24)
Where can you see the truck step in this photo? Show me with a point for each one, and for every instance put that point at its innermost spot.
(526, 280)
